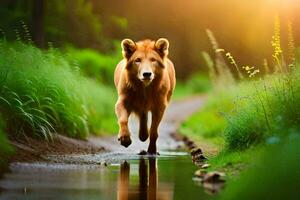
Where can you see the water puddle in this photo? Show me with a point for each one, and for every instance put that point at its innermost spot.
(169, 176)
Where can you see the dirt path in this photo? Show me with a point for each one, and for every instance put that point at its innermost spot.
(99, 150)
(75, 169)
(176, 113)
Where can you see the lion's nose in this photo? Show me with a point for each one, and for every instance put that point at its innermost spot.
(147, 74)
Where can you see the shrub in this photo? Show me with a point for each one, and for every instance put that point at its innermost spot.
(94, 64)
(210, 120)
(271, 110)
(196, 84)
(41, 93)
(199, 83)
(273, 174)
(5, 149)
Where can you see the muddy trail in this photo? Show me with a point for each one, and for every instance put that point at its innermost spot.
(113, 173)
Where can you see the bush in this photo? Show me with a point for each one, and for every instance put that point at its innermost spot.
(94, 64)
(5, 149)
(249, 113)
(196, 84)
(210, 120)
(199, 83)
(273, 174)
(270, 110)
(42, 93)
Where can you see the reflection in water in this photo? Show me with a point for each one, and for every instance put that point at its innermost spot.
(147, 188)
(164, 178)
(123, 181)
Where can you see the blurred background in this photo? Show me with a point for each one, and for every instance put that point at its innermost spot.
(57, 59)
(242, 27)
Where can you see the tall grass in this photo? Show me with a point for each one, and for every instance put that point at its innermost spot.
(273, 174)
(42, 94)
(271, 110)
(218, 69)
(94, 64)
(209, 122)
(258, 119)
(196, 84)
(257, 109)
(5, 149)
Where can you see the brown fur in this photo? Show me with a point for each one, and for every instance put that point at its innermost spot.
(148, 179)
(138, 93)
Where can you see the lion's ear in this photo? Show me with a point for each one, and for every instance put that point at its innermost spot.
(162, 47)
(128, 48)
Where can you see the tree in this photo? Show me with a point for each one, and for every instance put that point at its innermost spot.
(38, 13)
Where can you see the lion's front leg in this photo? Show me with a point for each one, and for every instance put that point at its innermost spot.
(157, 115)
(123, 115)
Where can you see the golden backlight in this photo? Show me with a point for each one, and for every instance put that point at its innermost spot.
(243, 27)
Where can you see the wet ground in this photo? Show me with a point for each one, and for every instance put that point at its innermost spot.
(117, 174)
(167, 177)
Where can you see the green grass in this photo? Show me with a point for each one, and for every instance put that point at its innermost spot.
(271, 111)
(42, 94)
(273, 174)
(197, 84)
(94, 64)
(258, 120)
(210, 121)
(258, 123)
(249, 113)
(5, 149)
(244, 121)
(233, 162)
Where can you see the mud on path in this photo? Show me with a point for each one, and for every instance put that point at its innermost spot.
(99, 150)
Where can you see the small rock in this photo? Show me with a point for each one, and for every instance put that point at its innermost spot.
(196, 151)
(205, 166)
(199, 157)
(185, 139)
(213, 177)
(175, 136)
(189, 143)
(191, 146)
(213, 182)
(200, 173)
(213, 188)
(199, 163)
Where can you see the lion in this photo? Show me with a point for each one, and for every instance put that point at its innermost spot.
(145, 81)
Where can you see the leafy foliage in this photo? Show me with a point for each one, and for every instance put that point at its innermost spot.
(5, 149)
(196, 84)
(41, 93)
(259, 109)
(271, 110)
(273, 174)
(64, 22)
(94, 64)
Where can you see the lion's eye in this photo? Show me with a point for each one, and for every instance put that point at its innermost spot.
(138, 60)
(152, 59)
